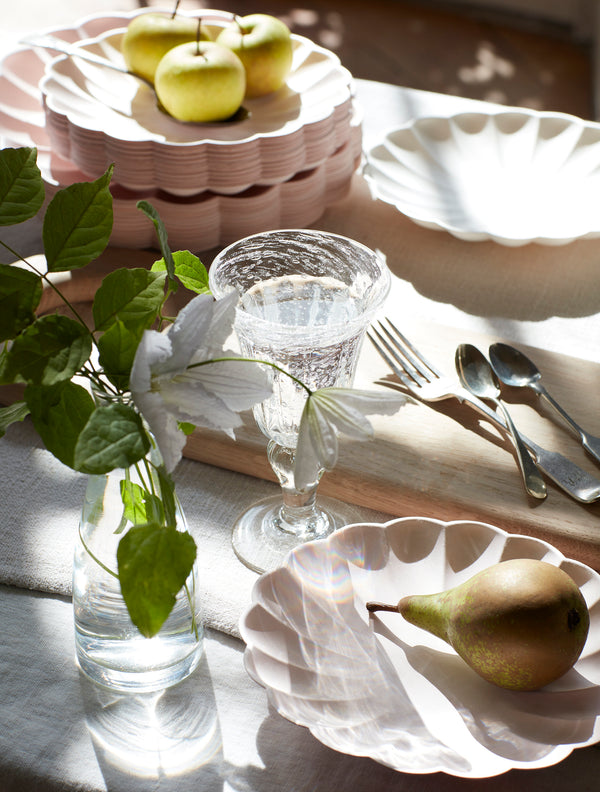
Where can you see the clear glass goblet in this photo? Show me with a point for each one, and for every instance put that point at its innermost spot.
(306, 299)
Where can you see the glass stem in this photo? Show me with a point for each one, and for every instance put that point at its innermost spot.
(298, 511)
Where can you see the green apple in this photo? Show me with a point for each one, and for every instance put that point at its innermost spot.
(264, 45)
(150, 36)
(200, 81)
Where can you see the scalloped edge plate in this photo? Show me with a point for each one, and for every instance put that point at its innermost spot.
(96, 116)
(379, 687)
(511, 176)
(199, 222)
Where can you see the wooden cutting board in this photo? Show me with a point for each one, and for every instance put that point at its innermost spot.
(441, 461)
(444, 462)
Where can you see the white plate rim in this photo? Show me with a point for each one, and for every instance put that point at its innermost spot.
(463, 231)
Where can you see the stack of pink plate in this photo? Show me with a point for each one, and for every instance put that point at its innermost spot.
(280, 164)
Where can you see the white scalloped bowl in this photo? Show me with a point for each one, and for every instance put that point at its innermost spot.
(96, 116)
(514, 176)
(377, 686)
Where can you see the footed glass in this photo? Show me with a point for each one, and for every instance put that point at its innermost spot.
(306, 299)
(109, 648)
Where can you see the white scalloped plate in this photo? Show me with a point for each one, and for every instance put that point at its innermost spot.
(514, 176)
(96, 116)
(199, 222)
(377, 686)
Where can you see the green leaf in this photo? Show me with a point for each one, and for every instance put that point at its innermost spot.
(140, 506)
(133, 296)
(59, 413)
(161, 233)
(117, 348)
(20, 294)
(21, 185)
(78, 224)
(114, 437)
(11, 414)
(50, 350)
(189, 269)
(154, 563)
(167, 492)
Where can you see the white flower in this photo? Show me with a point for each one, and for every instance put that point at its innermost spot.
(332, 410)
(167, 391)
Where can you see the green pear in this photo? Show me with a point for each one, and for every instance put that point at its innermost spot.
(520, 624)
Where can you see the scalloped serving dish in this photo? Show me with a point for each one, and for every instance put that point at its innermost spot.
(96, 116)
(377, 686)
(514, 177)
(201, 221)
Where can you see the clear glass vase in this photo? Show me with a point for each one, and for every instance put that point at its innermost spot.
(109, 647)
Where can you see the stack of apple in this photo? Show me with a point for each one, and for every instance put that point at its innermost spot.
(198, 79)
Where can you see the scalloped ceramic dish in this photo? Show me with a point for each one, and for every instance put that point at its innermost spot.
(198, 222)
(377, 686)
(514, 177)
(96, 116)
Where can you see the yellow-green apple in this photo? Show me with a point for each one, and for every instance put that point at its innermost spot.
(150, 36)
(264, 45)
(200, 81)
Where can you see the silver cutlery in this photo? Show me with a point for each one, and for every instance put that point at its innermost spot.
(477, 376)
(514, 368)
(428, 384)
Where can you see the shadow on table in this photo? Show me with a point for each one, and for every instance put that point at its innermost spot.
(532, 282)
(170, 737)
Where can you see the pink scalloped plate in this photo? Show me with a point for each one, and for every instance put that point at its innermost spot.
(96, 116)
(377, 686)
(200, 221)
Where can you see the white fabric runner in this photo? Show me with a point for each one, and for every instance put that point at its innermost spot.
(40, 502)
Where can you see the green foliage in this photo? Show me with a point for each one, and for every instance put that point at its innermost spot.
(52, 349)
(21, 186)
(60, 413)
(11, 414)
(188, 269)
(77, 224)
(20, 295)
(113, 437)
(133, 296)
(53, 356)
(153, 562)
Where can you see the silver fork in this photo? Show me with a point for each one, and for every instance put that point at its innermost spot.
(428, 384)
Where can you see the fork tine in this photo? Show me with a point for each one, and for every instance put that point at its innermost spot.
(391, 357)
(418, 360)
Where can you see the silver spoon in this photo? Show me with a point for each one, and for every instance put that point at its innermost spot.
(477, 376)
(514, 368)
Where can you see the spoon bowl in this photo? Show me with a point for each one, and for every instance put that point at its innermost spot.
(477, 376)
(515, 368)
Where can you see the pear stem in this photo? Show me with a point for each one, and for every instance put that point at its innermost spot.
(381, 606)
(175, 9)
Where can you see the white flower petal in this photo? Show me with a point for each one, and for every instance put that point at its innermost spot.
(188, 331)
(240, 384)
(306, 465)
(169, 438)
(332, 410)
(154, 348)
(190, 402)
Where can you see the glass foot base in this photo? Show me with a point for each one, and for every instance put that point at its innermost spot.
(262, 545)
